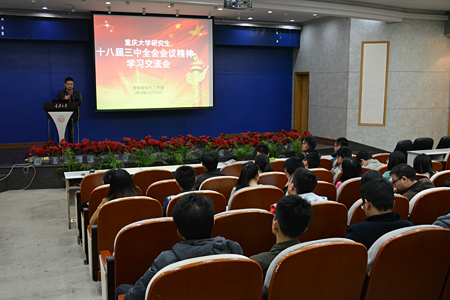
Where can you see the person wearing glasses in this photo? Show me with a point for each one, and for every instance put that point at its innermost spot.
(405, 181)
(378, 199)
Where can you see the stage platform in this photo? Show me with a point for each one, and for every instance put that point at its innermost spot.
(27, 176)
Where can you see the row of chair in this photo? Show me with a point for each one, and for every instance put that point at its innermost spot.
(322, 269)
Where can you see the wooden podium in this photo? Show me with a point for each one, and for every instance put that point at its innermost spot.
(61, 113)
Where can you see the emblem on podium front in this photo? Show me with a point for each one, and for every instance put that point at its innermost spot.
(61, 119)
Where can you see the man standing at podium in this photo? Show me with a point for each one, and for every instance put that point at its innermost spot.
(71, 95)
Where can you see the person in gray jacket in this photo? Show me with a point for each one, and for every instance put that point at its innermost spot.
(443, 221)
(193, 216)
(367, 161)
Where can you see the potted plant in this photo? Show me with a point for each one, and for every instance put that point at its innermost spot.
(37, 153)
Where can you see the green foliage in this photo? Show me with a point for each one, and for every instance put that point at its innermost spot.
(242, 152)
(177, 155)
(110, 162)
(72, 164)
(275, 149)
(144, 157)
(297, 145)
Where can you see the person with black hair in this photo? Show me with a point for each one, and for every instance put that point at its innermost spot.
(341, 141)
(209, 163)
(370, 175)
(309, 144)
(423, 165)
(303, 184)
(395, 158)
(193, 216)
(342, 153)
(367, 161)
(263, 163)
(70, 95)
(247, 179)
(350, 169)
(121, 185)
(262, 149)
(312, 160)
(291, 218)
(378, 199)
(405, 181)
(185, 177)
(290, 165)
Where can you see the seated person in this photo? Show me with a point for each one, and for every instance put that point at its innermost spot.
(309, 144)
(121, 185)
(342, 141)
(378, 200)
(444, 221)
(367, 161)
(312, 160)
(209, 163)
(185, 177)
(350, 169)
(342, 153)
(85, 204)
(290, 165)
(405, 181)
(248, 179)
(193, 216)
(303, 184)
(370, 175)
(395, 158)
(262, 149)
(263, 163)
(422, 165)
(291, 218)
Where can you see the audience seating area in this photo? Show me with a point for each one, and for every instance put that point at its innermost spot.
(332, 267)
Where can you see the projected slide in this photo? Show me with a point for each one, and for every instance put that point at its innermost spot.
(153, 62)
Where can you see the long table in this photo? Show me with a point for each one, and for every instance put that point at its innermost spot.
(434, 154)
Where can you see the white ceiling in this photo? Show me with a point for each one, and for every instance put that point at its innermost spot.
(283, 11)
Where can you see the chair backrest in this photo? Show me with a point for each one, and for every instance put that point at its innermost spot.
(326, 189)
(233, 170)
(422, 143)
(277, 165)
(426, 206)
(96, 198)
(365, 170)
(199, 170)
(133, 254)
(162, 189)
(356, 213)
(220, 203)
(349, 191)
(117, 213)
(221, 184)
(322, 269)
(337, 176)
(437, 166)
(143, 179)
(382, 169)
(382, 157)
(329, 221)
(444, 142)
(277, 179)
(326, 163)
(256, 197)
(219, 277)
(419, 256)
(251, 228)
(89, 183)
(404, 146)
(323, 174)
(439, 179)
(420, 176)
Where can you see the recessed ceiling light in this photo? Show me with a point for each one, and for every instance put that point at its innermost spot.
(314, 15)
(108, 2)
(220, 8)
(292, 20)
(45, 7)
(269, 12)
(250, 18)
